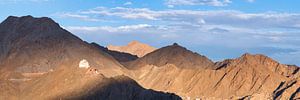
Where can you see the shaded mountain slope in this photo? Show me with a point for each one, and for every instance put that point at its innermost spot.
(71, 82)
(119, 56)
(134, 48)
(249, 76)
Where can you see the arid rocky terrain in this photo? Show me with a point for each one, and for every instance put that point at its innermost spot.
(40, 60)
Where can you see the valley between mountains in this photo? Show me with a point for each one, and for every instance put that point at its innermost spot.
(39, 60)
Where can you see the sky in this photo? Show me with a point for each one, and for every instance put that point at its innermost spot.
(218, 29)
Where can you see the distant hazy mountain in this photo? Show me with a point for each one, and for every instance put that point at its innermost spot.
(134, 48)
(40, 60)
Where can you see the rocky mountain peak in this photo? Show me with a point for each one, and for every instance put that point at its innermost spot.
(135, 43)
(134, 48)
(32, 29)
(29, 19)
(176, 55)
(262, 62)
(45, 43)
(256, 59)
(175, 44)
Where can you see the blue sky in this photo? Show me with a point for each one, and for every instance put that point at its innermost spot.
(216, 28)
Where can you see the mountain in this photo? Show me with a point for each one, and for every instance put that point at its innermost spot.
(39, 45)
(173, 54)
(41, 60)
(119, 56)
(134, 48)
(192, 76)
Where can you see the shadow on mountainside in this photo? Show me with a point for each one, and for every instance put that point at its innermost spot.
(119, 56)
(124, 88)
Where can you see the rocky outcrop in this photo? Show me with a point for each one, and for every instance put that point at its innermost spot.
(134, 48)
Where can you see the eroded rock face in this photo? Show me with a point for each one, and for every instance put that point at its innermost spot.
(84, 64)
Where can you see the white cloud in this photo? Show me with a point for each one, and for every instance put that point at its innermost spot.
(127, 3)
(133, 27)
(221, 28)
(170, 6)
(125, 28)
(130, 13)
(199, 2)
(78, 16)
(198, 17)
(259, 26)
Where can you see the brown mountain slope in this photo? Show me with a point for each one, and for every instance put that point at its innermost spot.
(134, 48)
(39, 45)
(31, 47)
(173, 54)
(71, 82)
(250, 76)
(40, 60)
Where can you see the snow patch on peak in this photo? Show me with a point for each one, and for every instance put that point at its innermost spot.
(84, 64)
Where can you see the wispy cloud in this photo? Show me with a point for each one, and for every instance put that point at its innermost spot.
(127, 3)
(77, 16)
(125, 28)
(197, 17)
(131, 13)
(221, 28)
(198, 2)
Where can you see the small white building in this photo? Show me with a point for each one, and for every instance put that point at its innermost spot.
(84, 64)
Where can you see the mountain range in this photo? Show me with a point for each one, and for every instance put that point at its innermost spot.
(41, 60)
